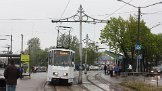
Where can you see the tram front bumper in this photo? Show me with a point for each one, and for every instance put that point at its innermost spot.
(58, 79)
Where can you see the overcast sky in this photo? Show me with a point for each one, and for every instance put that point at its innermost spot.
(56, 9)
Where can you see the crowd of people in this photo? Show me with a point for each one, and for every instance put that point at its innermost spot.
(112, 70)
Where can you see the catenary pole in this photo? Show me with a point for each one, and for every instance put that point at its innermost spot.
(80, 48)
(80, 14)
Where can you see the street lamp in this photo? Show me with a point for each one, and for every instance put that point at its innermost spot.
(8, 47)
(11, 42)
(22, 43)
(138, 46)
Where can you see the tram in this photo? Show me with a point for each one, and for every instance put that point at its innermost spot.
(60, 65)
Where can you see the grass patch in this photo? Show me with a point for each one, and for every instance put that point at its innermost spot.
(140, 86)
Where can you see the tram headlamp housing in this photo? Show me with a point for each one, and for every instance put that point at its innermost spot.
(55, 73)
(65, 74)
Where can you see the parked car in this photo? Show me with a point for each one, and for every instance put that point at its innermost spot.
(94, 67)
(41, 69)
(79, 67)
(156, 70)
(102, 66)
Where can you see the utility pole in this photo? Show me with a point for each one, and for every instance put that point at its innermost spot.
(11, 43)
(87, 38)
(80, 46)
(138, 45)
(21, 43)
(80, 14)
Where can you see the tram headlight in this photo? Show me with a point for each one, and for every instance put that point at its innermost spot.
(55, 73)
(65, 74)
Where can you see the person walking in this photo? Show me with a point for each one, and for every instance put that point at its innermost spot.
(11, 74)
(21, 72)
(105, 69)
(130, 68)
(116, 69)
(111, 70)
(108, 69)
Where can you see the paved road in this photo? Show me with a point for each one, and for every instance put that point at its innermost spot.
(35, 83)
(38, 80)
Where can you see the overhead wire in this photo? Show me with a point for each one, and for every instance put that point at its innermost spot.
(24, 19)
(65, 8)
(115, 13)
(39, 19)
(151, 13)
(118, 9)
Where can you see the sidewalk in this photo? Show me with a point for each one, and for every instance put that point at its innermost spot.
(119, 79)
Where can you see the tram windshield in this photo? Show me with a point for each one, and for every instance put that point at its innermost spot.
(62, 58)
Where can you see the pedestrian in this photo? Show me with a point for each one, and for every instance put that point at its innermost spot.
(108, 69)
(105, 69)
(116, 69)
(21, 72)
(130, 68)
(11, 75)
(120, 69)
(111, 70)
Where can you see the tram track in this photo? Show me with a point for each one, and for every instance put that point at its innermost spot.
(108, 83)
(51, 87)
(63, 87)
(96, 82)
(74, 87)
(115, 87)
(44, 86)
(103, 84)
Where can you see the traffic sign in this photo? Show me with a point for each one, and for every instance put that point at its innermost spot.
(137, 47)
(140, 56)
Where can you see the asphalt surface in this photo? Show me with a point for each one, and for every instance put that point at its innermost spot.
(35, 83)
(38, 80)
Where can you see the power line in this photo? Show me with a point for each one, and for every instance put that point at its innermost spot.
(115, 13)
(65, 9)
(23, 19)
(118, 9)
(152, 13)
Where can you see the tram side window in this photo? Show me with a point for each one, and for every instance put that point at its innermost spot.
(50, 57)
(57, 58)
(73, 59)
